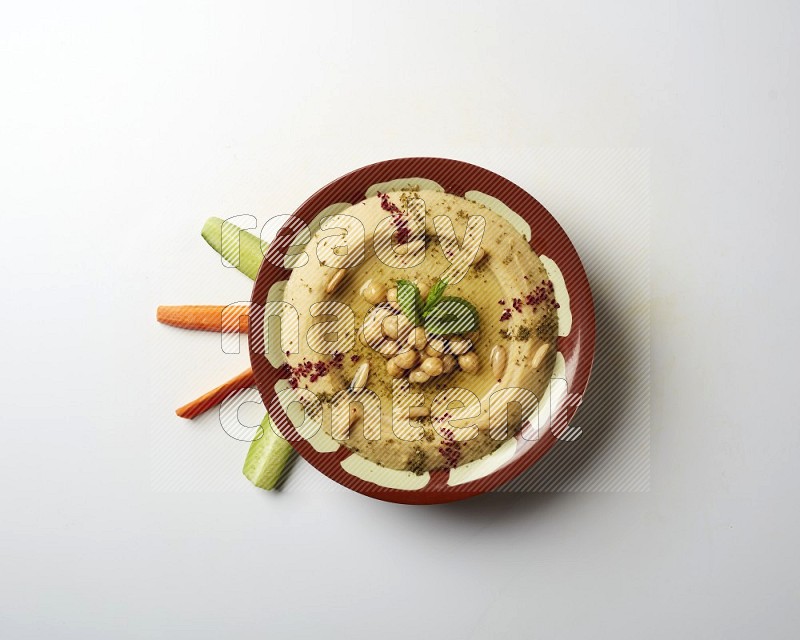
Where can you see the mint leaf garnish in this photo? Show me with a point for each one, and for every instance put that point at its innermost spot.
(451, 315)
(434, 295)
(410, 301)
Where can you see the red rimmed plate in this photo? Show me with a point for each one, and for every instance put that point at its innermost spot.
(575, 347)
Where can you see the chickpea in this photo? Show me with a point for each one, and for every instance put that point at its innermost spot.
(393, 370)
(417, 339)
(374, 292)
(404, 327)
(372, 333)
(389, 348)
(390, 327)
(418, 376)
(448, 363)
(430, 350)
(418, 412)
(391, 295)
(432, 366)
(406, 360)
(439, 344)
(468, 362)
(424, 289)
(459, 346)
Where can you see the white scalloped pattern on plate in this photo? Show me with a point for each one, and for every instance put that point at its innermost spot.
(482, 467)
(389, 478)
(561, 294)
(553, 396)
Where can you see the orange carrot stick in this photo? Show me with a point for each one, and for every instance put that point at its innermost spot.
(216, 396)
(231, 319)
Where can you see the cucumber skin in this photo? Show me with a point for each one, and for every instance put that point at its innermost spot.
(266, 458)
(226, 238)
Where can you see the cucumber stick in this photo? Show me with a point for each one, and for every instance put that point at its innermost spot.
(268, 454)
(242, 249)
(266, 458)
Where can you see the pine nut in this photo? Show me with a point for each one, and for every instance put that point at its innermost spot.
(498, 359)
(360, 376)
(335, 281)
(541, 352)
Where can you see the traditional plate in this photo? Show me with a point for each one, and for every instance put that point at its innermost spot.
(575, 344)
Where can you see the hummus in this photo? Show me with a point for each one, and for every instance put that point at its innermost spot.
(469, 386)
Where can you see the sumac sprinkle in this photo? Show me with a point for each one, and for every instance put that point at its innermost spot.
(313, 371)
(450, 449)
(399, 218)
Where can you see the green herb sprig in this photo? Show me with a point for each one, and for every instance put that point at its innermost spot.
(439, 314)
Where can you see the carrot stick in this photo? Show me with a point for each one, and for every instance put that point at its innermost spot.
(231, 319)
(215, 396)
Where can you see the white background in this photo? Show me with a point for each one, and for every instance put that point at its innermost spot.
(121, 129)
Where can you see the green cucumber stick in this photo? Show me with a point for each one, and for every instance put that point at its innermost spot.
(268, 454)
(242, 249)
(267, 457)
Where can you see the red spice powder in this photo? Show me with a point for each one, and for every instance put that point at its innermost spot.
(450, 449)
(388, 205)
(399, 218)
(543, 294)
(311, 370)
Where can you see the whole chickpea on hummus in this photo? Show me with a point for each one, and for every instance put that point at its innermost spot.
(427, 329)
